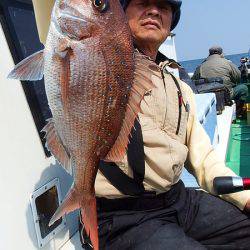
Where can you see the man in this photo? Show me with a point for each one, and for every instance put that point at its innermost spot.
(217, 66)
(141, 202)
(176, 218)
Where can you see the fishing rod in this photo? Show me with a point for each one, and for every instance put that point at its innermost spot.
(230, 184)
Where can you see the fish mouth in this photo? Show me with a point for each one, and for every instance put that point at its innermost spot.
(151, 22)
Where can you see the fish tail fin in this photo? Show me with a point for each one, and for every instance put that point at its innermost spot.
(69, 204)
(89, 219)
(29, 69)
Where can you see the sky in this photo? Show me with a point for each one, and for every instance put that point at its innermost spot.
(205, 23)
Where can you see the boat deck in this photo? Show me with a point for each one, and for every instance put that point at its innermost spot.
(238, 156)
(224, 122)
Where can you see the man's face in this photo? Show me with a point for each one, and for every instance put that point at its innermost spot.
(149, 20)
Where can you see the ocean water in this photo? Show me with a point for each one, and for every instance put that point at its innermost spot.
(191, 65)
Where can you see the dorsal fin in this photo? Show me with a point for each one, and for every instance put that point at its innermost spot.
(29, 69)
(55, 145)
(141, 84)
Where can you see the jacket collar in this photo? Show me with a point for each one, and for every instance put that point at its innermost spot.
(164, 60)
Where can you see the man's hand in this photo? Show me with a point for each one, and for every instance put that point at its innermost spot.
(247, 207)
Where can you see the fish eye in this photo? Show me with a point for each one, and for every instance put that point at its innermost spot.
(101, 5)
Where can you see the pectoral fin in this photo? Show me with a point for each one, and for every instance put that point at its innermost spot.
(29, 69)
(141, 84)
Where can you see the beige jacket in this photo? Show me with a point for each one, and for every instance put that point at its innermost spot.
(166, 152)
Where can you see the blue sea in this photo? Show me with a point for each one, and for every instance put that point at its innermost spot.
(191, 65)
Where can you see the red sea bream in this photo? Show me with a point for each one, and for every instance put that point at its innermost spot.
(94, 81)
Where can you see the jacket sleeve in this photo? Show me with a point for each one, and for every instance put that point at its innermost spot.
(235, 74)
(203, 161)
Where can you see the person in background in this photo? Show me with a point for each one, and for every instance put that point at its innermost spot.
(141, 201)
(244, 68)
(216, 65)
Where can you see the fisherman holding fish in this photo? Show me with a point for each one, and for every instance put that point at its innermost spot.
(140, 200)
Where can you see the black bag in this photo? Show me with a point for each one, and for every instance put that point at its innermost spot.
(215, 85)
(219, 90)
